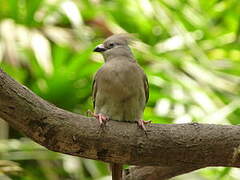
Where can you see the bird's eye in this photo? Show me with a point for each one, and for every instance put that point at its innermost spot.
(111, 45)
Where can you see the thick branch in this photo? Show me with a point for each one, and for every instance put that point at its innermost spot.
(172, 145)
(156, 172)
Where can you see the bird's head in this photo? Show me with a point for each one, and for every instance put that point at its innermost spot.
(115, 46)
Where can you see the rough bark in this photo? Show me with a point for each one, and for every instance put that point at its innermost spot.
(175, 146)
(156, 172)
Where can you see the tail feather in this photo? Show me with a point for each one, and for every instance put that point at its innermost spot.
(116, 171)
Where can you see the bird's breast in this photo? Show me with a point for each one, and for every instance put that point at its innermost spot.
(120, 92)
(121, 83)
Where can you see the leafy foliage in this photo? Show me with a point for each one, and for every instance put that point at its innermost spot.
(188, 48)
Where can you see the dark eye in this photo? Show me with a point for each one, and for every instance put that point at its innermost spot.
(111, 45)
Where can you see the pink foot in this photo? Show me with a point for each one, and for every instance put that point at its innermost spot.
(102, 119)
(141, 124)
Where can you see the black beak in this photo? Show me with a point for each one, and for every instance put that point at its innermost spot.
(100, 48)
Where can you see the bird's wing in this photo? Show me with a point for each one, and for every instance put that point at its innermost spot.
(94, 89)
(95, 86)
(94, 92)
(146, 88)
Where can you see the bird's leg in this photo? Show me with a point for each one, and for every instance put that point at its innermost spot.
(102, 119)
(141, 124)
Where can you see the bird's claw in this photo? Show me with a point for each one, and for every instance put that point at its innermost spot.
(141, 124)
(102, 119)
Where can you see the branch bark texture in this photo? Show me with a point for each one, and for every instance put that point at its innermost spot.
(157, 172)
(166, 145)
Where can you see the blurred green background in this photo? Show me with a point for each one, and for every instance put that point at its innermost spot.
(189, 49)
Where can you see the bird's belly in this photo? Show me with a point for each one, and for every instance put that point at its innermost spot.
(120, 102)
(120, 109)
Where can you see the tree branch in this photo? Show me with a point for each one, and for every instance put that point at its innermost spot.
(170, 145)
(156, 172)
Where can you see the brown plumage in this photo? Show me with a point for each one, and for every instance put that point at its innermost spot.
(120, 87)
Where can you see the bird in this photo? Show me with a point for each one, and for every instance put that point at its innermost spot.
(120, 88)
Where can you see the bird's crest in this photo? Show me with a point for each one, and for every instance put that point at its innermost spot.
(126, 37)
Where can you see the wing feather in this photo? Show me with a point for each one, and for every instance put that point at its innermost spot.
(146, 88)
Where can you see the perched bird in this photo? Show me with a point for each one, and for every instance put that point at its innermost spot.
(120, 87)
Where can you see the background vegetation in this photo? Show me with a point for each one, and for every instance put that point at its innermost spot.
(190, 50)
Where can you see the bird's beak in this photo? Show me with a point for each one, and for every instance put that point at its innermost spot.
(100, 48)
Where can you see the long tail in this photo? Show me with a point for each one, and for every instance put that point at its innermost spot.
(116, 171)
